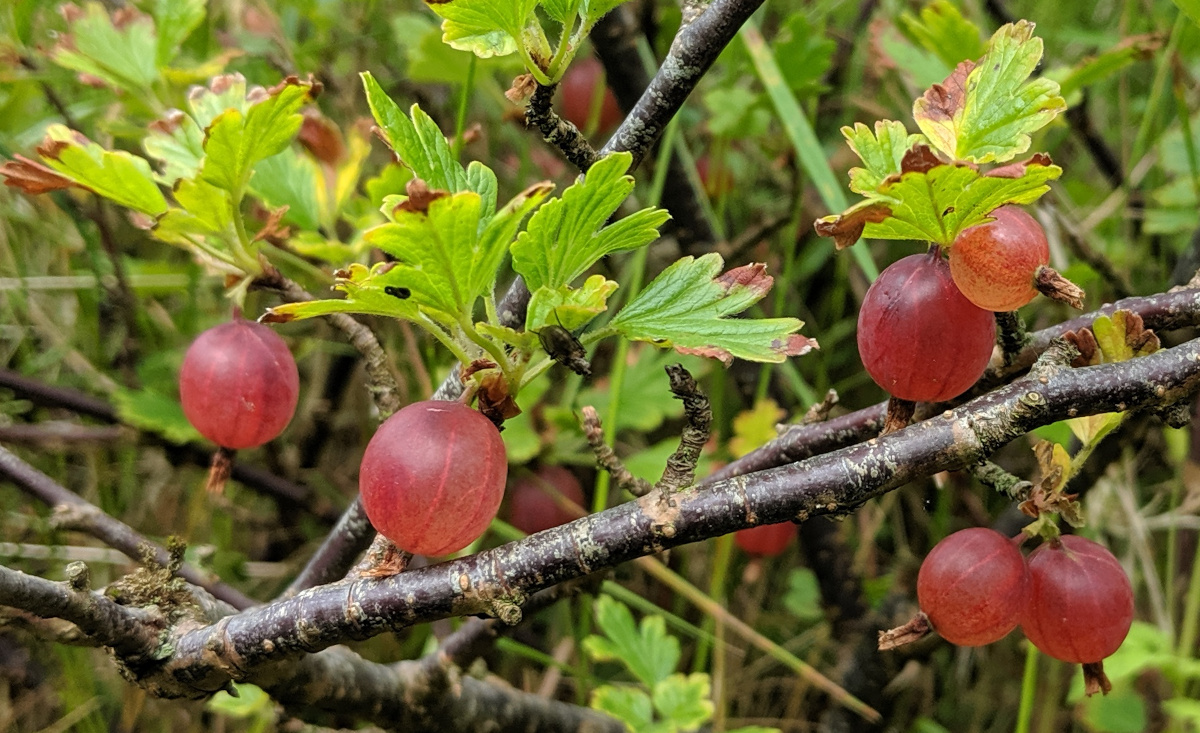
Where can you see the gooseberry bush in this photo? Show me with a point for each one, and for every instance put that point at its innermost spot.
(509, 388)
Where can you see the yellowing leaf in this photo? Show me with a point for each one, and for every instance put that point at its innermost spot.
(756, 427)
(986, 111)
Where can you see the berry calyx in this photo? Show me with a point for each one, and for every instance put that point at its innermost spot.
(973, 587)
(239, 384)
(918, 336)
(767, 540)
(1080, 603)
(432, 477)
(532, 508)
(995, 264)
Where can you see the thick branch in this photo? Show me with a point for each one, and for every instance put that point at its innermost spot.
(693, 51)
(75, 512)
(131, 632)
(1161, 312)
(837, 483)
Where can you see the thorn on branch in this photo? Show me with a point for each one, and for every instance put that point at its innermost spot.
(559, 132)
(681, 466)
(382, 560)
(607, 459)
(819, 412)
(1059, 355)
(79, 577)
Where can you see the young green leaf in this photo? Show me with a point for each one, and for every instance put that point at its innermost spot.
(881, 152)
(568, 235)
(420, 144)
(687, 307)
(116, 175)
(631, 707)
(175, 20)
(684, 700)
(986, 112)
(371, 291)
(290, 179)
(755, 427)
(649, 652)
(205, 211)
(933, 201)
(942, 30)
(236, 141)
(155, 413)
(484, 27)
(569, 307)
(436, 251)
(121, 54)
(177, 142)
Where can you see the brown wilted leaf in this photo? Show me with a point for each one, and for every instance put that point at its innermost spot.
(847, 227)
(1017, 169)
(420, 196)
(522, 89)
(321, 138)
(32, 177)
(919, 159)
(1085, 341)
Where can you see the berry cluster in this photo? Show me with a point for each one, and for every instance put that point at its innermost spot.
(1071, 597)
(926, 329)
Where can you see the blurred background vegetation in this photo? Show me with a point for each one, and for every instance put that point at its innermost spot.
(89, 302)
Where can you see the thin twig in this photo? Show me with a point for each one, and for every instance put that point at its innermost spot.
(74, 512)
(560, 133)
(681, 466)
(607, 459)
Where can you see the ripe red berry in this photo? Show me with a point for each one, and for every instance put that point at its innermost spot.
(973, 587)
(766, 540)
(432, 477)
(919, 338)
(1080, 601)
(532, 509)
(579, 88)
(239, 384)
(994, 264)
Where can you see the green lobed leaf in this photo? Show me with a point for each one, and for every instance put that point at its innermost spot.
(628, 705)
(942, 30)
(568, 235)
(649, 652)
(986, 112)
(484, 27)
(688, 307)
(227, 91)
(205, 210)
(755, 427)
(561, 11)
(880, 151)
(290, 179)
(803, 597)
(594, 10)
(684, 700)
(938, 204)
(499, 231)
(120, 54)
(175, 20)
(154, 413)
(114, 174)
(177, 142)
(571, 308)
(420, 144)
(235, 141)
(804, 55)
(436, 252)
(366, 292)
